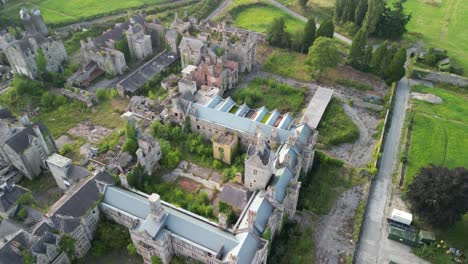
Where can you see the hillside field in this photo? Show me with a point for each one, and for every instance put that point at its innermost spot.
(63, 11)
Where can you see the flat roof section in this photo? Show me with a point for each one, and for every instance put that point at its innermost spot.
(317, 106)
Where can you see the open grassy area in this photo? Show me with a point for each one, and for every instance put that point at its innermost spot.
(336, 127)
(106, 114)
(61, 11)
(289, 64)
(325, 182)
(438, 132)
(439, 137)
(257, 16)
(440, 23)
(283, 97)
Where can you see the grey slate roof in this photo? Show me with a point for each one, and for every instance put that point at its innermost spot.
(236, 196)
(10, 253)
(21, 140)
(47, 238)
(9, 196)
(116, 33)
(138, 78)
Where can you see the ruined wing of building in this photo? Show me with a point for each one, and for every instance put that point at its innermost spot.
(22, 53)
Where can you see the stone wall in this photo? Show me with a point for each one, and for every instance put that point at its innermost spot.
(88, 98)
(439, 77)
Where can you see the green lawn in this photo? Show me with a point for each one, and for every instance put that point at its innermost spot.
(443, 26)
(289, 64)
(436, 141)
(106, 114)
(439, 136)
(258, 16)
(61, 11)
(336, 127)
(280, 96)
(454, 107)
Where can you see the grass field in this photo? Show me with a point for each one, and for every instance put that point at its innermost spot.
(258, 15)
(106, 114)
(439, 136)
(336, 127)
(289, 64)
(439, 132)
(441, 26)
(61, 11)
(283, 97)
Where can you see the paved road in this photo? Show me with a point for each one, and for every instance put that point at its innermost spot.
(374, 246)
(218, 10)
(291, 12)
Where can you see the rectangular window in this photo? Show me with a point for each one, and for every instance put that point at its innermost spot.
(255, 172)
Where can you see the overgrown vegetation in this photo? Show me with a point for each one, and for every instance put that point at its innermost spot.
(289, 64)
(109, 237)
(281, 96)
(336, 127)
(328, 178)
(294, 245)
(196, 202)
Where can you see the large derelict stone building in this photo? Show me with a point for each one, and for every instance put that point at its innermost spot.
(22, 53)
(26, 148)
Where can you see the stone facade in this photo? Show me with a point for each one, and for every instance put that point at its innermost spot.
(28, 149)
(259, 165)
(148, 153)
(33, 22)
(109, 60)
(21, 54)
(138, 42)
(225, 147)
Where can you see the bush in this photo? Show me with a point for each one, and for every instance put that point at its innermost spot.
(22, 214)
(131, 249)
(131, 143)
(101, 94)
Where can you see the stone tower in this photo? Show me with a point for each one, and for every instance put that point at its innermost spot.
(259, 165)
(139, 43)
(33, 21)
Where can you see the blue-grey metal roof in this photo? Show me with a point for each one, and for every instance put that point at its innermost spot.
(177, 222)
(126, 201)
(273, 117)
(248, 249)
(281, 181)
(239, 123)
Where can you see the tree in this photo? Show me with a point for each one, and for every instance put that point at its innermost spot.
(131, 249)
(309, 32)
(156, 260)
(374, 9)
(136, 177)
(22, 214)
(439, 195)
(357, 55)
(41, 61)
(323, 54)
(122, 46)
(101, 94)
(377, 59)
(326, 29)
(396, 69)
(277, 35)
(360, 12)
(28, 258)
(392, 22)
(339, 10)
(67, 245)
(303, 3)
(131, 143)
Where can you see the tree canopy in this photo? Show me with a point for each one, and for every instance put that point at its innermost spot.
(131, 142)
(309, 33)
(326, 29)
(439, 195)
(323, 54)
(396, 69)
(277, 34)
(392, 21)
(357, 56)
